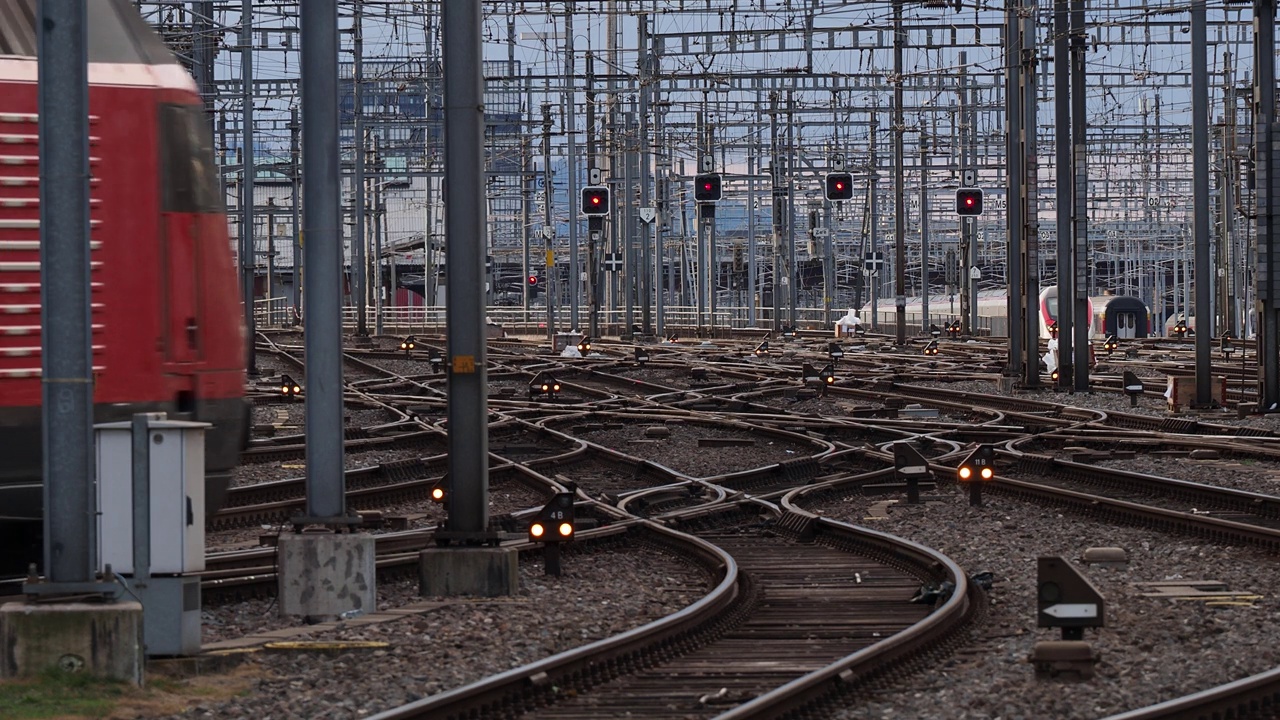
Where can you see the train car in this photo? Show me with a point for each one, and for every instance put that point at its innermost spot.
(167, 329)
(1049, 312)
(992, 309)
(1124, 316)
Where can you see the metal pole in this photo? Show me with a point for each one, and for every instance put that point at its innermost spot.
(924, 229)
(70, 520)
(247, 258)
(295, 152)
(202, 53)
(360, 238)
(650, 229)
(1080, 198)
(1268, 198)
(779, 195)
(141, 456)
(1205, 276)
(464, 230)
(623, 205)
(548, 227)
(1030, 233)
(1065, 204)
(968, 246)
(326, 497)
(593, 234)
(788, 162)
(526, 211)
(1015, 176)
(571, 164)
(899, 181)
(662, 218)
(752, 161)
(379, 209)
(873, 219)
(271, 260)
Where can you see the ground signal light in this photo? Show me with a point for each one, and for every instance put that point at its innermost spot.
(1133, 387)
(642, 356)
(969, 201)
(954, 329)
(544, 385)
(980, 465)
(1225, 345)
(595, 200)
(839, 186)
(289, 387)
(707, 187)
(835, 351)
(438, 493)
(408, 344)
(555, 521)
(827, 375)
(931, 348)
(1110, 344)
(762, 349)
(584, 345)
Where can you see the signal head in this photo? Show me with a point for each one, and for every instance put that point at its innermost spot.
(969, 201)
(707, 187)
(595, 201)
(839, 186)
(533, 280)
(555, 521)
(979, 465)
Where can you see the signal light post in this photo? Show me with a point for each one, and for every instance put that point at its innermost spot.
(554, 524)
(708, 189)
(977, 468)
(596, 205)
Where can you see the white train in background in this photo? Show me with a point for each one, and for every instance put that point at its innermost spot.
(1124, 316)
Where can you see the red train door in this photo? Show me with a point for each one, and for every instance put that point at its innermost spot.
(182, 288)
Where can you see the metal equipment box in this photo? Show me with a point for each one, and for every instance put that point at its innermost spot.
(176, 496)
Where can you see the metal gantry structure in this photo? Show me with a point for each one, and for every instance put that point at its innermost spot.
(773, 91)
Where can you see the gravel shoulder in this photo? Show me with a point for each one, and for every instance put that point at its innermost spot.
(1151, 649)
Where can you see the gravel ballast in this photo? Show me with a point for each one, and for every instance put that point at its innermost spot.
(599, 595)
(1151, 649)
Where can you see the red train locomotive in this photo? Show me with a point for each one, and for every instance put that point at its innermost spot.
(167, 329)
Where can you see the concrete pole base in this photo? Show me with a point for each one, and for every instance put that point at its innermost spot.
(102, 640)
(324, 575)
(483, 571)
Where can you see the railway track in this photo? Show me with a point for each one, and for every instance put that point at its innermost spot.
(803, 608)
(745, 391)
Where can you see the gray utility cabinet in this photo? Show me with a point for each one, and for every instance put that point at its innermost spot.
(176, 496)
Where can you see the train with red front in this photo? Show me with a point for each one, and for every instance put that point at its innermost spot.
(167, 328)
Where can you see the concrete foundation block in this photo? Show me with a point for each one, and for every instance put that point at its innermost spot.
(483, 571)
(323, 575)
(102, 640)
